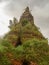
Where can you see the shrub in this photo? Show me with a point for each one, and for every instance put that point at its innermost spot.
(24, 22)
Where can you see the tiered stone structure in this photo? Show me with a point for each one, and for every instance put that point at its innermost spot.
(26, 32)
(27, 16)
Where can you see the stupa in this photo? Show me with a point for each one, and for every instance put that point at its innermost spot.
(23, 30)
(27, 16)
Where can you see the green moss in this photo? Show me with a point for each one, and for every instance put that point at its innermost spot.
(31, 50)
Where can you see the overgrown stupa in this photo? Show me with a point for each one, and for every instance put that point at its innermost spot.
(23, 30)
(27, 16)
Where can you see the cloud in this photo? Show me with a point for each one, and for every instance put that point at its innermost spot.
(41, 16)
(14, 6)
(3, 1)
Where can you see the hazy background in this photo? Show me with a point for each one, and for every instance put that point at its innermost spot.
(11, 8)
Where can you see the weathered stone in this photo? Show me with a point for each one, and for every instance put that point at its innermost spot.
(27, 16)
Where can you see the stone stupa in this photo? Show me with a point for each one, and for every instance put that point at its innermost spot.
(24, 29)
(27, 16)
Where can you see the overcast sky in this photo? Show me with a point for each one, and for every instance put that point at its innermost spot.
(11, 8)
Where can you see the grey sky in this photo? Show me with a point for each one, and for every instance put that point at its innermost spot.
(11, 8)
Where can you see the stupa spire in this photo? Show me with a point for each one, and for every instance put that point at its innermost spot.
(27, 8)
(27, 16)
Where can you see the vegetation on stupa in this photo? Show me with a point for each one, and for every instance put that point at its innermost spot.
(25, 29)
(24, 44)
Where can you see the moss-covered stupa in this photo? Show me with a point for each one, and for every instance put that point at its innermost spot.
(23, 30)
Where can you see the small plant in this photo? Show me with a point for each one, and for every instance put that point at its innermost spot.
(24, 22)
